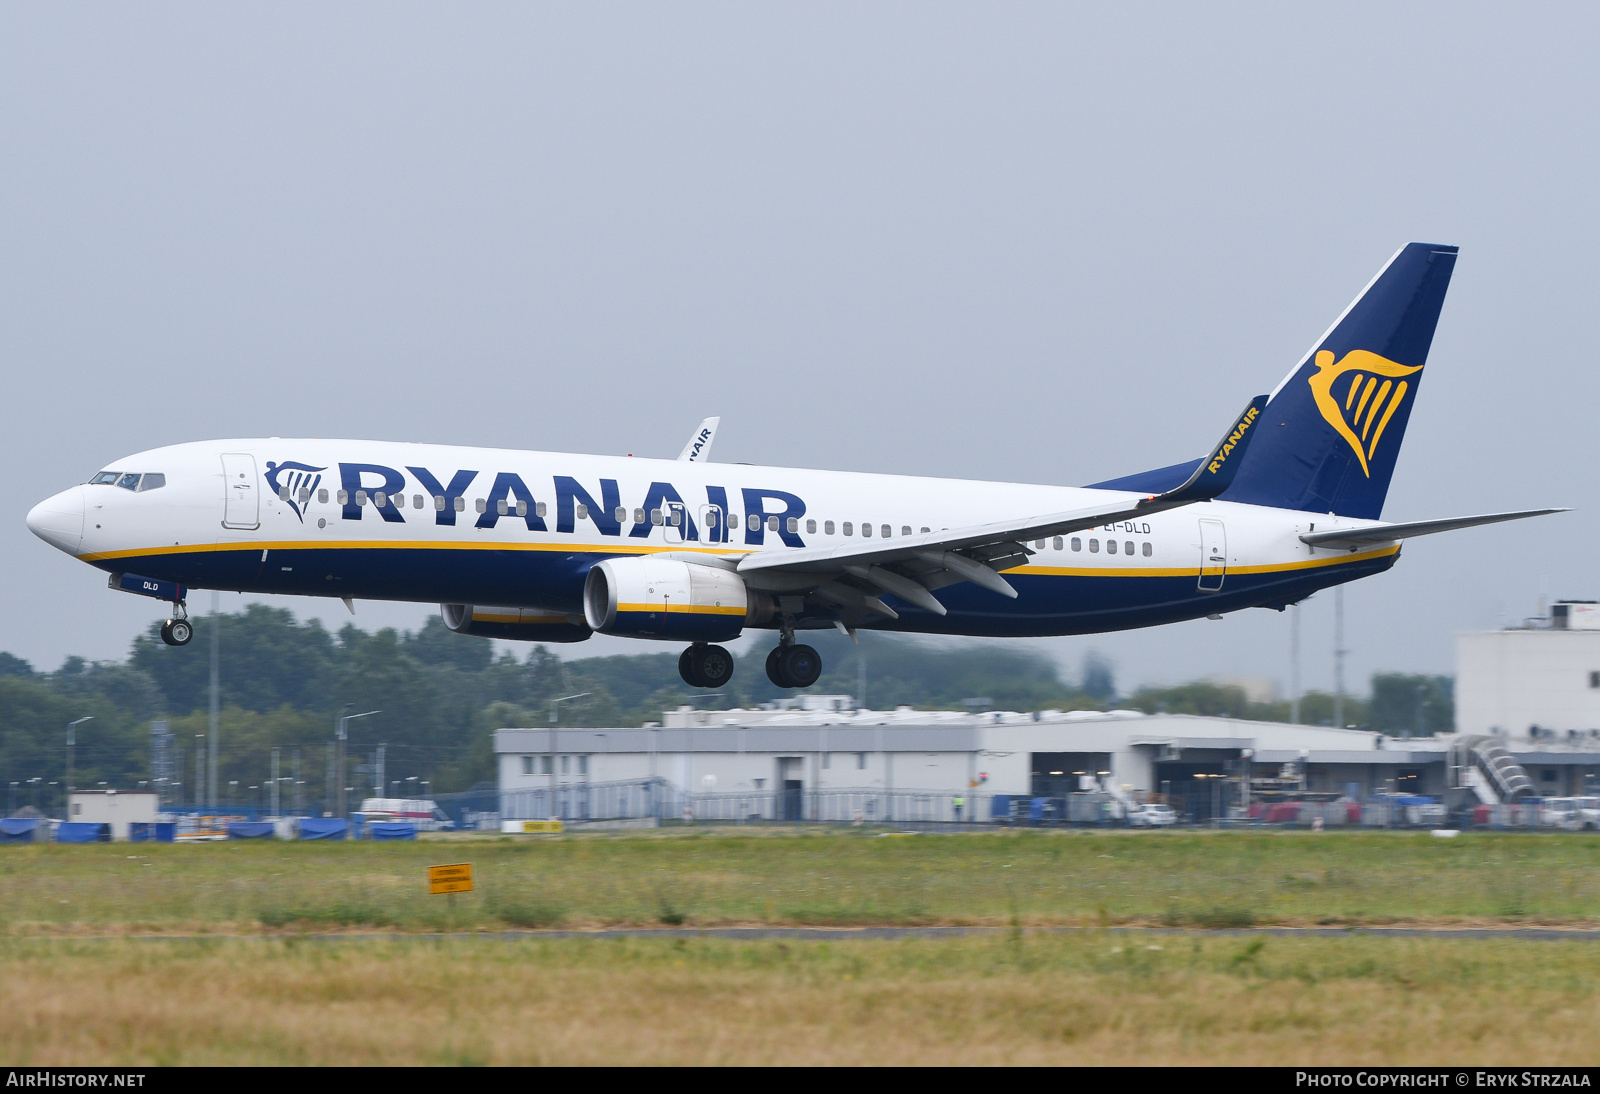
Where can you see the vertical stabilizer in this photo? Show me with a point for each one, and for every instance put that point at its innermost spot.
(1330, 436)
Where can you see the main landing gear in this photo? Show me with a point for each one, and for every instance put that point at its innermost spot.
(790, 665)
(178, 630)
(703, 666)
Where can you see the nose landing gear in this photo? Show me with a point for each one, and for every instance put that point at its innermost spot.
(178, 630)
(703, 666)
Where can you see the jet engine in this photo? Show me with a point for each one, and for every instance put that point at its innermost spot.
(525, 624)
(645, 597)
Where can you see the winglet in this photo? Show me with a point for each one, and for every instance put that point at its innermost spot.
(1216, 471)
(698, 450)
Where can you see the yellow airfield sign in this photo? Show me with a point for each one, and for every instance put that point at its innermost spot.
(456, 878)
(546, 826)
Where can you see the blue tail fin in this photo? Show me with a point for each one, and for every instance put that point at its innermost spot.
(1329, 438)
(1334, 426)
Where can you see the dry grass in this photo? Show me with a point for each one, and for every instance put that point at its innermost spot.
(1101, 998)
(734, 876)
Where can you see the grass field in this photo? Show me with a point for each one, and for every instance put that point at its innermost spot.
(1092, 997)
(726, 876)
(250, 974)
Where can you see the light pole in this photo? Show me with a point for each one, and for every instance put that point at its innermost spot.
(72, 741)
(342, 733)
(551, 757)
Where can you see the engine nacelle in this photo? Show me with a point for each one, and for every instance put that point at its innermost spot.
(522, 624)
(646, 597)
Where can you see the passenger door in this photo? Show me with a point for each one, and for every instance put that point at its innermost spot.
(1213, 555)
(712, 524)
(241, 507)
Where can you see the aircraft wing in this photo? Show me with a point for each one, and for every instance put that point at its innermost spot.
(698, 450)
(853, 575)
(1388, 533)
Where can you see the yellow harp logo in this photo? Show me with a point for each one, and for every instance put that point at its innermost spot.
(1360, 410)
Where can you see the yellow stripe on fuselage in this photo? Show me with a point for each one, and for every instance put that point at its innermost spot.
(416, 545)
(1111, 570)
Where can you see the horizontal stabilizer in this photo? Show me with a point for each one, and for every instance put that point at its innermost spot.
(1387, 533)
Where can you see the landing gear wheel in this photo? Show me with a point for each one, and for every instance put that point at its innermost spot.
(176, 632)
(703, 666)
(794, 666)
(714, 665)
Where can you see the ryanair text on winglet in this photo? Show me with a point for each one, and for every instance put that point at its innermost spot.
(1233, 439)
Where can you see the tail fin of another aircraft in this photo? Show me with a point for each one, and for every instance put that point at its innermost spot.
(1333, 429)
(1329, 437)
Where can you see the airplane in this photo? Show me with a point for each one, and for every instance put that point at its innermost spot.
(555, 547)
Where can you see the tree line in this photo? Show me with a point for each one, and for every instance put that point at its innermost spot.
(282, 683)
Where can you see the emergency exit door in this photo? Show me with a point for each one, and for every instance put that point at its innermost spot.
(241, 506)
(1213, 555)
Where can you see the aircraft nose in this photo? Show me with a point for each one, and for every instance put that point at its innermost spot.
(59, 520)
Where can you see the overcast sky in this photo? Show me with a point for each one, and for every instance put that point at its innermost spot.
(1050, 243)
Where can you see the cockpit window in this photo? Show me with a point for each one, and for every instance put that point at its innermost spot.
(130, 481)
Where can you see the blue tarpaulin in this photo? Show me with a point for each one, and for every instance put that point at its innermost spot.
(249, 829)
(392, 830)
(19, 829)
(323, 828)
(159, 831)
(1000, 805)
(82, 832)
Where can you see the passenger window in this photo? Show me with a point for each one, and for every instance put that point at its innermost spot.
(416, 501)
(733, 520)
(794, 524)
(438, 503)
(580, 510)
(522, 508)
(638, 516)
(481, 505)
(620, 515)
(848, 528)
(1094, 546)
(772, 524)
(711, 518)
(461, 505)
(827, 527)
(129, 482)
(105, 478)
(1077, 544)
(1147, 550)
(1127, 548)
(924, 530)
(322, 497)
(538, 510)
(1057, 544)
(1038, 545)
(1111, 546)
(656, 518)
(905, 530)
(380, 499)
(811, 527)
(501, 508)
(344, 497)
(361, 497)
(283, 493)
(866, 529)
(885, 531)
(305, 492)
(677, 518)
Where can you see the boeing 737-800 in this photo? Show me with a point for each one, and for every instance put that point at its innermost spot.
(554, 547)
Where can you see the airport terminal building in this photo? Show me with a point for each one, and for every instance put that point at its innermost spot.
(821, 759)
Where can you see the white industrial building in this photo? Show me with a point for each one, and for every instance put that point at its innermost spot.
(826, 761)
(118, 808)
(1539, 680)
